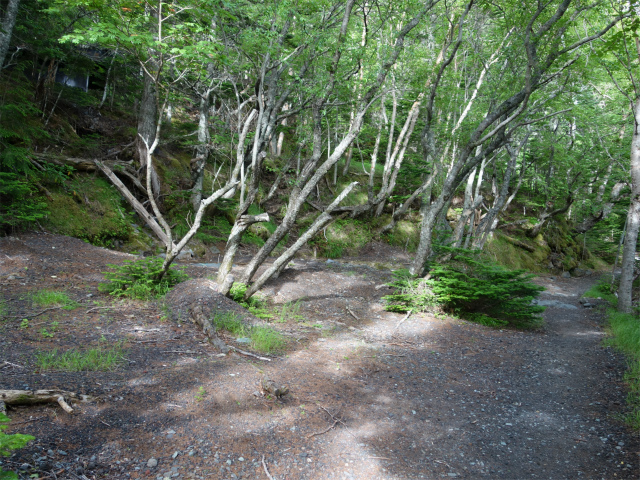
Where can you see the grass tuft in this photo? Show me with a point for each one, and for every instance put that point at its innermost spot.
(52, 298)
(263, 339)
(92, 360)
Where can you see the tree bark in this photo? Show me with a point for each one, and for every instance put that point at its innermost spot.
(202, 151)
(6, 28)
(625, 291)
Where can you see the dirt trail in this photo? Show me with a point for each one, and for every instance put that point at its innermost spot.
(371, 398)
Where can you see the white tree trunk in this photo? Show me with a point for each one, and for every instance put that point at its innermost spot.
(625, 291)
(6, 28)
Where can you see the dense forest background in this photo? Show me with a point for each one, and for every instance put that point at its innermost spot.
(316, 126)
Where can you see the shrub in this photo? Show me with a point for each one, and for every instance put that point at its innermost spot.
(412, 293)
(470, 286)
(141, 279)
(8, 443)
(475, 289)
(19, 207)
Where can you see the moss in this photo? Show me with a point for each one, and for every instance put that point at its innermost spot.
(513, 257)
(405, 234)
(91, 210)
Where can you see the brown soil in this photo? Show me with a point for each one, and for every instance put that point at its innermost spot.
(370, 397)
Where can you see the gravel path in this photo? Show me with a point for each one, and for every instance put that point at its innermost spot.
(371, 397)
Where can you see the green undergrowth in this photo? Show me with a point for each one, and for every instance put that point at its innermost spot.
(473, 288)
(51, 298)
(516, 258)
(263, 339)
(343, 237)
(90, 209)
(602, 290)
(9, 443)
(91, 360)
(256, 305)
(140, 279)
(625, 336)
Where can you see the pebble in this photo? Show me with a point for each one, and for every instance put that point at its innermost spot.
(152, 463)
(175, 454)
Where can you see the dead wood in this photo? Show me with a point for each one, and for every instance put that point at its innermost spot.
(520, 244)
(36, 397)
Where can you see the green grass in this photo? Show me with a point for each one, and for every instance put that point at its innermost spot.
(52, 298)
(263, 339)
(603, 290)
(290, 310)
(91, 360)
(267, 340)
(625, 331)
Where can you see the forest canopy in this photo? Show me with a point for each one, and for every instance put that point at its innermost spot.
(464, 123)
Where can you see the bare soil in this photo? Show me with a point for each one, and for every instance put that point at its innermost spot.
(371, 397)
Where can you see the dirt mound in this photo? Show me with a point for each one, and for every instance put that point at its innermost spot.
(198, 301)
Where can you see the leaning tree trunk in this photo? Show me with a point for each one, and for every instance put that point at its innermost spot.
(625, 291)
(6, 28)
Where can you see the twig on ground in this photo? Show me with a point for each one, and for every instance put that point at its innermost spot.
(13, 364)
(338, 420)
(383, 355)
(174, 405)
(39, 313)
(353, 314)
(248, 354)
(102, 421)
(26, 421)
(266, 470)
(96, 308)
(184, 352)
(335, 422)
(402, 321)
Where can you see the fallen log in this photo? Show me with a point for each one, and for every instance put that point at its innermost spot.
(36, 397)
(520, 244)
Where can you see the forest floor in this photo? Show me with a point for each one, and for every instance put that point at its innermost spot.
(371, 397)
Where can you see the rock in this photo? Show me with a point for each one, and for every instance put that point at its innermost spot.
(579, 272)
(270, 387)
(243, 340)
(152, 462)
(175, 455)
(566, 275)
(215, 250)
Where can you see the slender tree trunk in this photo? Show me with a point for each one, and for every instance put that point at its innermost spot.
(105, 92)
(625, 291)
(6, 28)
(202, 151)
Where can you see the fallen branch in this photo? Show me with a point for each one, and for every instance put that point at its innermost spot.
(29, 397)
(265, 469)
(323, 431)
(13, 364)
(39, 313)
(183, 352)
(352, 314)
(248, 354)
(339, 420)
(518, 243)
(96, 308)
(402, 321)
